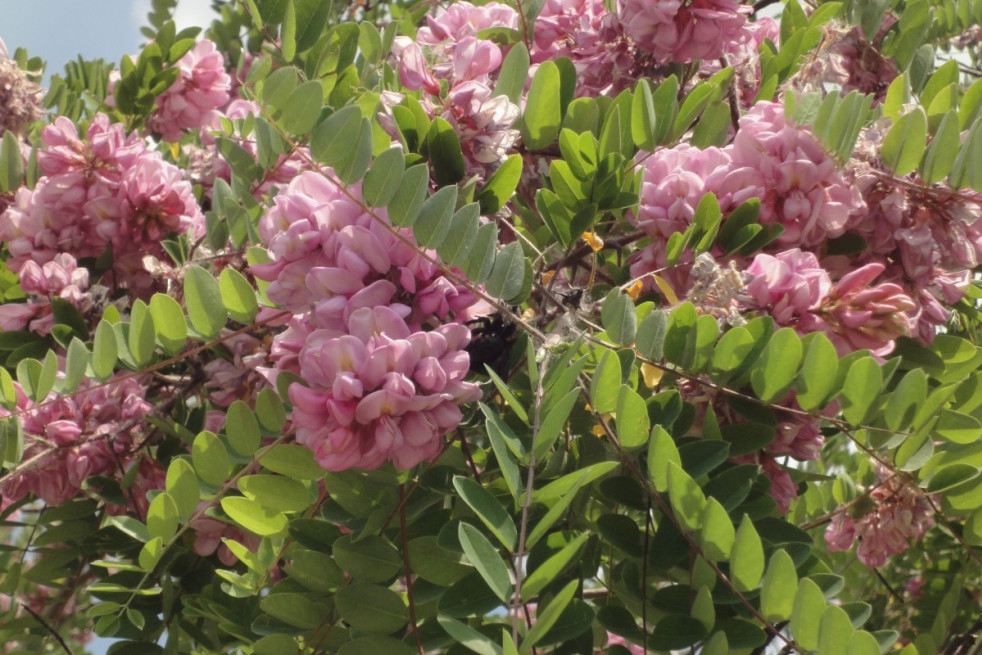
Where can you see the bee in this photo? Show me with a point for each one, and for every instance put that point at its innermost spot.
(492, 338)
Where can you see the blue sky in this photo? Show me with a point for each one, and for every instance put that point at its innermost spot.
(60, 30)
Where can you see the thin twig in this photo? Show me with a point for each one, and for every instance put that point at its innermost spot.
(408, 571)
(48, 627)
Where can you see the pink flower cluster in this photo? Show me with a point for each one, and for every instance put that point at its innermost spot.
(677, 31)
(469, 65)
(75, 437)
(381, 387)
(20, 97)
(800, 189)
(899, 514)
(930, 240)
(202, 86)
(797, 291)
(381, 392)
(105, 191)
(61, 278)
(591, 37)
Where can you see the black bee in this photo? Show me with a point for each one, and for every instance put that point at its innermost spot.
(492, 338)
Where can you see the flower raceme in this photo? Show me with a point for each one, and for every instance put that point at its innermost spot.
(382, 385)
(381, 392)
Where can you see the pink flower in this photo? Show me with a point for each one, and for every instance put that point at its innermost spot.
(414, 72)
(793, 176)
(20, 97)
(864, 316)
(674, 31)
(790, 287)
(380, 392)
(201, 87)
(899, 514)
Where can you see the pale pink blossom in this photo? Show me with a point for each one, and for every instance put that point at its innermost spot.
(201, 87)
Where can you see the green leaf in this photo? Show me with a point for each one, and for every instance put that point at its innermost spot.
(633, 423)
(661, 451)
(11, 163)
(809, 604)
(292, 460)
(957, 427)
(162, 517)
(747, 557)
(141, 337)
(294, 609)
(104, 352)
(905, 400)
(382, 179)
(550, 569)
(76, 362)
(372, 559)
(253, 516)
(277, 492)
(469, 637)
(542, 119)
(553, 424)
(203, 297)
(778, 590)
(238, 297)
(315, 570)
(951, 476)
(369, 41)
(436, 564)
(861, 390)
(619, 317)
(606, 383)
(182, 485)
(278, 86)
(270, 410)
(210, 459)
(489, 510)
(288, 31)
(775, 371)
(555, 512)
(506, 448)
(718, 534)
(513, 73)
(508, 273)
(343, 141)
(863, 643)
(408, 200)
(834, 631)
(242, 429)
(940, 156)
(546, 617)
(303, 108)
(904, 144)
(169, 323)
(650, 340)
(460, 238)
(443, 149)
(435, 217)
(819, 372)
(967, 169)
(486, 560)
(12, 439)
(150, 554)
(643, 118)
(687, 499)
(500, 187)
